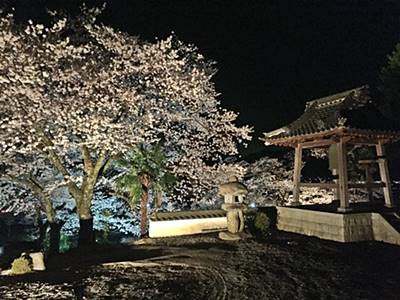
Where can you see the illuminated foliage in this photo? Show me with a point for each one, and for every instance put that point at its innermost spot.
(77, 87)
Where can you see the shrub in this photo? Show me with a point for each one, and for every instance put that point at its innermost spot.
(21, 265)
(262, 222)
(68, 242)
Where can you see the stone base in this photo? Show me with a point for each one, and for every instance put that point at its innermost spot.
(228, 236)
(337, 227)
(344, 209)
(37, 261)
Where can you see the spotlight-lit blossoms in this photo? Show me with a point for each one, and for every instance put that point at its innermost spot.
(33, 174)
(77, 85)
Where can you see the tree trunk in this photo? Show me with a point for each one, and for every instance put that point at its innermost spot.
(42, 235)
(82, 195)
(54, 241)
(55, 235)
(84, 204)
(55, 227)
(47, 207)
(145, 180)
(86, 234)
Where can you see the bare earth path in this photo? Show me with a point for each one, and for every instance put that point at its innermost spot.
(284, 266)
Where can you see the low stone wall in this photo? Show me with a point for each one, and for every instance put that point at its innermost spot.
(186, 223)
(383, 231)
(337, 227)
(314, 223)
(357, 227)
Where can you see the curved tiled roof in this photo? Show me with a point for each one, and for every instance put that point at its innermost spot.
(352, 109)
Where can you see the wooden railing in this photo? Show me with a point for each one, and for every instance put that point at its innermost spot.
(333, 185)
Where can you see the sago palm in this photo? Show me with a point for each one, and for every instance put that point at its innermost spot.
(145, 169)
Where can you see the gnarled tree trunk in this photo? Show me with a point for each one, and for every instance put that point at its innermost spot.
(55, 226)
(55, 235)
(47, 206)
(86, 233)
(42, 234)
(82, 195)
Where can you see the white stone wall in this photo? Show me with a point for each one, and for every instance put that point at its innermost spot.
(186, 226)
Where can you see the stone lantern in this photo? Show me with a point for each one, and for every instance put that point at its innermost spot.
(234, 193)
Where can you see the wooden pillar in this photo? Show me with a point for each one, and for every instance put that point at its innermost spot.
(336, 193)
(366, 166)
(368, 181)
(333, 167)
(297, 174)
(384, 172)
(343, 180)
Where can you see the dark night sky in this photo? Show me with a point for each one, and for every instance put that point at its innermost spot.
(272, 55)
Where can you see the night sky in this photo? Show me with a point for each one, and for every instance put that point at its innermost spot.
(272, 56)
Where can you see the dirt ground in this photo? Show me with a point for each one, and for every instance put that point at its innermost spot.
(282, 266)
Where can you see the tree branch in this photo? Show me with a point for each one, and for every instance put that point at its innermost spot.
(38, 190)
(87, 160)
(102, 159)
(57, 163)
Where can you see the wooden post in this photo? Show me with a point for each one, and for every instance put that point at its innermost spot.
(333, 167)
(384, 172)
(336, 194)
(343, 181)
(368, 180)
(297, 174)
(366, 166)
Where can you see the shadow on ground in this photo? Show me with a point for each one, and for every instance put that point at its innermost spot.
(281, 266)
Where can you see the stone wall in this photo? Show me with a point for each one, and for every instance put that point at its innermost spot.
(314, 223)
(383, 231)
(351, 227)
(357, 227)
(186, 226)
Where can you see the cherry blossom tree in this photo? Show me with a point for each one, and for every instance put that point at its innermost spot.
(36, 176)
(78, 86)
(14, 200)
(270, 181)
